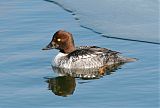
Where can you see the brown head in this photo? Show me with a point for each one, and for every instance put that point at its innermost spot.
(63, 41)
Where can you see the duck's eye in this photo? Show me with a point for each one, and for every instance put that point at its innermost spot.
(58, 40)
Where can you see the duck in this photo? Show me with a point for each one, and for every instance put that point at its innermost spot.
(82, 57)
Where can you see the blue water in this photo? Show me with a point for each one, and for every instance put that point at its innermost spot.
(27, 26)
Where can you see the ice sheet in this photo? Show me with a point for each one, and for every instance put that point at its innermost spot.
(126, 19)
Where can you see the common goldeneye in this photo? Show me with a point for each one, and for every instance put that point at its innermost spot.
(84, 56)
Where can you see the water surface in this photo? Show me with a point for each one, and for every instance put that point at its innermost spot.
(27, 26)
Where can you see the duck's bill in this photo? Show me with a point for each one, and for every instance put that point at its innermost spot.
(48, 47)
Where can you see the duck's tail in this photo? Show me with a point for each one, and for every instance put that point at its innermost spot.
(126, 59)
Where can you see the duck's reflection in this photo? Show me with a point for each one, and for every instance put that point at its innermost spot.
(62, 85)
(65, 83)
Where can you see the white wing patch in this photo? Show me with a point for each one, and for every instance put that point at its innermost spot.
(86, 61)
